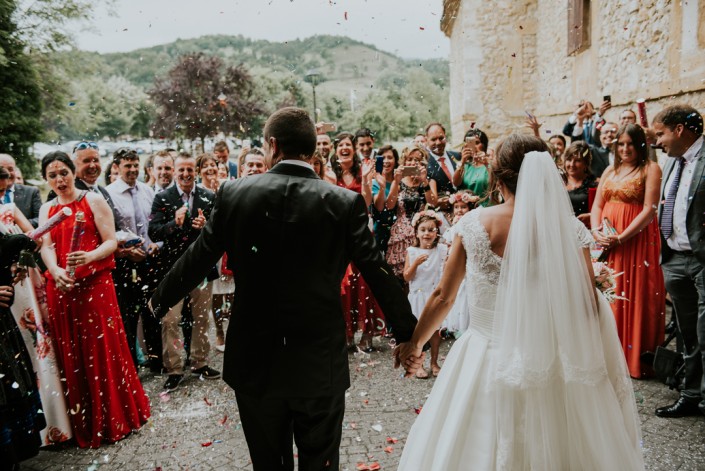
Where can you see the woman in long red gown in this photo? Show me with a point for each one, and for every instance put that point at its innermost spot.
(360, 307)
(627, 196)
(105, 397)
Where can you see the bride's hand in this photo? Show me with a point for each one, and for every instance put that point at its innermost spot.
(410, 358)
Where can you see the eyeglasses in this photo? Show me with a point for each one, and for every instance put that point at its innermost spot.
(85, 145)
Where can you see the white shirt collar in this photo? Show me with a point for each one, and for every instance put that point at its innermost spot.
(120, 185)
(692, 153)
(298, 162)
(181, 192)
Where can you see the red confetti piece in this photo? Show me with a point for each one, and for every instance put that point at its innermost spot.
(346, 15)
(388, 449)
(207, 401)
(205, 444)
(375, 466)
(392, 440)
(422, 28)
(362, 467)
(418, 409)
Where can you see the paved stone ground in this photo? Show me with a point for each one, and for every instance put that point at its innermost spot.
(197, 427)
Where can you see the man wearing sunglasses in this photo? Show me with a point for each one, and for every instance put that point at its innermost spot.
(26, 198)
(86, 157)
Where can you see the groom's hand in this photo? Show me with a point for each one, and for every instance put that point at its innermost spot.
(410, 358)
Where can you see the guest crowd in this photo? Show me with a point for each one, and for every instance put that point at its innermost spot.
(75, 319)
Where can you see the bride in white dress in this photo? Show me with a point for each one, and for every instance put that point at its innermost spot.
(538, 382)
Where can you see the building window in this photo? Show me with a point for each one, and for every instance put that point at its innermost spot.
(578, 26)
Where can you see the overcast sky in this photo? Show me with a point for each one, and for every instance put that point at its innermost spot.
(408, 28)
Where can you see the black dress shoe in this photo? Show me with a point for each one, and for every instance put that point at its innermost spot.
(681, 408)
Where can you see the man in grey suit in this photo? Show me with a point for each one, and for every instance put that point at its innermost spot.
(679, 131)
(26, 198)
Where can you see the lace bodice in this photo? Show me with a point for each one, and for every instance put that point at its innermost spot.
(483, 266)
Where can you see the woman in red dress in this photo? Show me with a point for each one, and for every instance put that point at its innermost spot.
(360, 308)
(105, 397)
(627, 196)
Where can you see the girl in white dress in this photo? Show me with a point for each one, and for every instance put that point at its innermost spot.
(537, 382)
(458, 319)
(422, 270)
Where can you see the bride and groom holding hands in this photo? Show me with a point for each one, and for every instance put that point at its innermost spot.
(537, 382)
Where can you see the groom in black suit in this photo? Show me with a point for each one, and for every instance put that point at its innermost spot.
(289, 384)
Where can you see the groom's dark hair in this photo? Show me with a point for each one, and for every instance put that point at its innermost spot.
(294, 131)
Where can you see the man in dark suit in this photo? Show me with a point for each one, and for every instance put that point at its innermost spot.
(178, 216)
(603, 155)
(441, 164)
(26, 198)
(585, 123)
(679, 132)
(222, 153)
(291, 382)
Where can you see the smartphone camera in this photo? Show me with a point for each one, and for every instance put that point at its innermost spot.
(379, 163)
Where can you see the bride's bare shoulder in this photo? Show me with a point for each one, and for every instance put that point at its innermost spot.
(496, 221)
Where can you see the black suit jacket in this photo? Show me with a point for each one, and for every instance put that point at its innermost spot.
(289, 237)
(600, 160)
(435, 172)
(163, 228)
(593, 135)
(695, 217)
(28, 201)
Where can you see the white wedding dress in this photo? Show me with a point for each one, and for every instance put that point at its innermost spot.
(556, 395)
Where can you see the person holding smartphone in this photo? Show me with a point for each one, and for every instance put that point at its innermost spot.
(412, 190)
(472, 172)
(383, 209)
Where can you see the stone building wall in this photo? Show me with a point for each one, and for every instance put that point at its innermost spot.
(508, 57)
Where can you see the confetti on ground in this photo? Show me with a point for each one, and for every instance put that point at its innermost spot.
(206, 444)
(392, 440)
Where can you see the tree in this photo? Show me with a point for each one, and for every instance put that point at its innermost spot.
(20, 124)
(197, 99)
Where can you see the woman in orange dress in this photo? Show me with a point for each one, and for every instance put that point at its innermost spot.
(104, 394)
(628, 197)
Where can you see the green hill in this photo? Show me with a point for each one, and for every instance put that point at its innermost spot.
(376, 79)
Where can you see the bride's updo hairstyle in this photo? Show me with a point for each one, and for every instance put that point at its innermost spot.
(508, 158)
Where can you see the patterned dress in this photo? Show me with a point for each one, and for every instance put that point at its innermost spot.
(411, 200)
(30, 312)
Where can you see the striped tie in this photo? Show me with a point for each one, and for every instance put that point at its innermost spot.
(667, 213)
